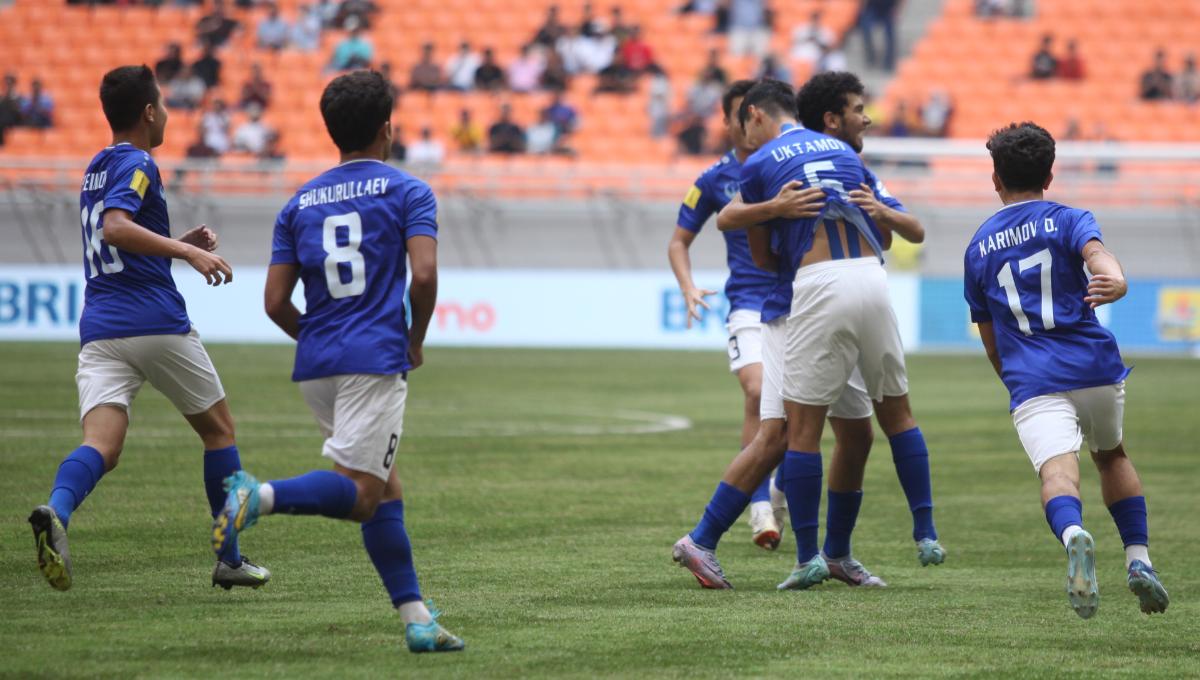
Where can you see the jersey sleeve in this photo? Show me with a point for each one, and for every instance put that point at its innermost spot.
(881, 193)
(420, 212)
(283, 242)
(133, 177)
(697, 206)
(1083, 229)
(974, 293)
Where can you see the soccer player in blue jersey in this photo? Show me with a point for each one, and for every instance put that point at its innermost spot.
(745, 288)
(135, 327)
(347, 234)
(1034, 274)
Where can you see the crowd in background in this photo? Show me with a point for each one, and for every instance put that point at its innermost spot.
(34, 108)
(1159, 83)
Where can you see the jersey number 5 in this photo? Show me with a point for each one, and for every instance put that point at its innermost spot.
(1009, 283)
(337, 255)
(94, 245)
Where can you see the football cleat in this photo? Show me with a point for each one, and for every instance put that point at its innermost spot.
(852, 572)
(806, 575)
(431, 637)
(929, 551)
(763, 525)
(240, 511)
(1082, 589)
(245, 574)
(1144, 583)
(701, 562)
(50, 538)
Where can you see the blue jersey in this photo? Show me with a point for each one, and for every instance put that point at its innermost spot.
(817, 160)
(1024, 272)
(348, 231)
(127, 295)
(747, 285)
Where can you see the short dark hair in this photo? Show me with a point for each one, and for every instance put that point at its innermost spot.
(738, 88)
(1023, 155)
(773, 96)
(355, 106)
(825, 92)
(124, 94)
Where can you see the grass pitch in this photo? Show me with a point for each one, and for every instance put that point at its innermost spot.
(544, 490)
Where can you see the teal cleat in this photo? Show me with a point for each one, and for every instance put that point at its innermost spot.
(431, 637)
(1144, 583)
(1082, 589)
(240, 511)
(929, 551)
(806, 575)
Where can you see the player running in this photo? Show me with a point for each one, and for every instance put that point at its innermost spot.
(346, 235)
(745, 288)
(135, 327)
(1034, 273)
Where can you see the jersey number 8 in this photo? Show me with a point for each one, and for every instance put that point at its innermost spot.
(337, 255)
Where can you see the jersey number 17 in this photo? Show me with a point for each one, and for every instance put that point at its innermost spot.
(1009, 283)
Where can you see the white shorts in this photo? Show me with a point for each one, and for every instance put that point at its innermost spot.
(854, 403)
(745, 339)
(112, 371)
(361, 416)
(842, 318)
(1055, 424)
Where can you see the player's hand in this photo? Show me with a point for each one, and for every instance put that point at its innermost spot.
(416, 356)
(865, 199)
(214, 268)
(794, 202)
(694, 297)
(1103, 289)
(202, 237)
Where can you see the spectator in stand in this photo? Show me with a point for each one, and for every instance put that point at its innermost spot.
(399, 150)
(712, 70)
(214, 30)
(590, 26)
(385, 70)
(256, 91)
(272, 32)
(901, 124)
(832, 59)
(306, 32)
(618, 28)
(354, 52)
(635, 53)
(272, 153)
(426, 75)
(1073, 133)
(1070, 67)
(542, 137)
(616, 78)
(460, 69)
(748, 29)
(355, 13)
(327, 10)
(426, 150)
(563, 116)
(1189, 81)
(691, 136)
(170, 65)
(489, 76)
(879, 13)
(551, 30)
(199, 148)
(555, 77)
(505, 136)
(208, 67)
(10, 106)
(37, 110)
(252, 135)
(525, 71)
(186, 90)
(659, 105)
(774, 68)
(467, 135)
(810, 40)
(588, 54)
(1157, 83)
(935, 114)
(215, 122)
(704, 96)
(1045, 64)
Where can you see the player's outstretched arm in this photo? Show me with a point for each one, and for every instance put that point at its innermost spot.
(277, 297)
(888, 219)
(121, 232)
(422, 258)
(988, 334)
(1108, 278)
(681, 264)
(792, 202)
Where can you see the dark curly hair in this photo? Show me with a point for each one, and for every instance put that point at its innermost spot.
(125, 93)
(826, 92)
(355, 106)
(1023, 155)
(773, 96)
(738, 88)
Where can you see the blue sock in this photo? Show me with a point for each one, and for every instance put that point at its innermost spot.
(722, 511)
(77, 475)
(1062, 512)
(1130, 517)
(802, 485)
(762, 492)
(840, 516)
(219, 464)
(911, 458)
(320, 492)
(387, 544)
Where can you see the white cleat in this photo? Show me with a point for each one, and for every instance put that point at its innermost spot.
(247, 574)
(764, 525)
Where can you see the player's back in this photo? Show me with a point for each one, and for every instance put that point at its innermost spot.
(347, 230)
(127, 294)
(1025, 273)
